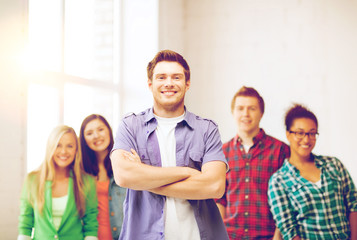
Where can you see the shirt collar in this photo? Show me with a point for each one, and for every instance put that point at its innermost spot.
(259, 137)
(188, 119)
(319, 162)
(149, 115)
(290, 168)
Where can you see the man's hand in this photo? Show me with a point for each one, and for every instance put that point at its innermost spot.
(132, 156)
(207, 184)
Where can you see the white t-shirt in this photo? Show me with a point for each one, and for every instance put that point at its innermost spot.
(318, 183)
(247, 147)
(180, 222)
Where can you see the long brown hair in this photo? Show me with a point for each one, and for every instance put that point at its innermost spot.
(90, 163)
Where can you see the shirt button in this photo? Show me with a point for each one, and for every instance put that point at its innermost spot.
(112, 213)
(246, 196)
(247, 164)
(114, 228)
(246, 214)
(246, 230)
(246, 179)
(56, 236)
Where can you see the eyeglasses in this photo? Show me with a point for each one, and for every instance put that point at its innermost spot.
(301, 135)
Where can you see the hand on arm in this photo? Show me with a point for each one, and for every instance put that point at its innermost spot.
(210, 183)
(222, 210)
(130, 172)
(277, 235)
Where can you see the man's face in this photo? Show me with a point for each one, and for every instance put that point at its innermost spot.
(168, 86)
(247, 114)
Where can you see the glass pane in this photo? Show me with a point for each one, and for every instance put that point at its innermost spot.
(45, 34)
(81, 101)
(42, 117)
(89, 39)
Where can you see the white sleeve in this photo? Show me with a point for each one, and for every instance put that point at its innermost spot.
(23, 237)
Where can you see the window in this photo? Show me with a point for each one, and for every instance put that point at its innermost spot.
(85, 57)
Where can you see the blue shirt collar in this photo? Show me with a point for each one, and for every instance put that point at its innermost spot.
(188, 119)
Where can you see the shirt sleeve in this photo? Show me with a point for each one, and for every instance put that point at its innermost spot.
(349, 189)
(213, 144)
(280, 207)
(23, 237)
(26, 218)
(90, 223)
(284, 154)
(125, 138)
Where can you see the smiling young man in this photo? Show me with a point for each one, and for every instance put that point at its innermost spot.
(253, 157)
(171, 161)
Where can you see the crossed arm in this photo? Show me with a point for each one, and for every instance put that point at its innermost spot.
(179, 182)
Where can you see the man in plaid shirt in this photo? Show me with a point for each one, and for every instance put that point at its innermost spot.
(253, 157)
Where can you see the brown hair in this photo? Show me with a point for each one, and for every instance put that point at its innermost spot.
(298, 111)
(90, 163)
(248, 92)
(168, 56)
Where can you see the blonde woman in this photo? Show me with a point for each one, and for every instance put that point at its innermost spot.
(59, 200)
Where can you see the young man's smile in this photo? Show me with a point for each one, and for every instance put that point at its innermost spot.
(168, 86)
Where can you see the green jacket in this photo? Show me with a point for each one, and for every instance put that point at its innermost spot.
(71, 227)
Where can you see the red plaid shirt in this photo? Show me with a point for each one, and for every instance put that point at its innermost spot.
(245, 199)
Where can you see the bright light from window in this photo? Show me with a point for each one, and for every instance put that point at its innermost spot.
(79, 38)
(94, 54)
(43, 115)
(45, 37)
(81, 101)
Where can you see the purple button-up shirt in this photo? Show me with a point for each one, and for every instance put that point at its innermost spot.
(197, 142)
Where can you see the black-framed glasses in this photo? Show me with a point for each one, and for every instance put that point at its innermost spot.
(301, 135)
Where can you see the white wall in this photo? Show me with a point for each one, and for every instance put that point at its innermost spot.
(12, 115)
(290, 51)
